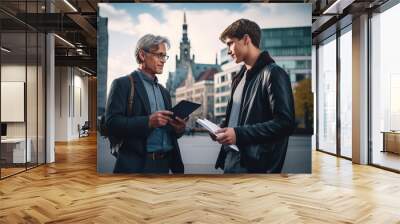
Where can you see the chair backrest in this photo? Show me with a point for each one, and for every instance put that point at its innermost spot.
(86, 125)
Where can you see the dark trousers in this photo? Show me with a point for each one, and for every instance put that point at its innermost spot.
(157, 166)
(232, 162)
(133, 163)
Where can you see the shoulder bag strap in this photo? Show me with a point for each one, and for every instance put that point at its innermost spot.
(130, 101)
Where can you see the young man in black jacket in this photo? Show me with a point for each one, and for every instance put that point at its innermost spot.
(260, 113)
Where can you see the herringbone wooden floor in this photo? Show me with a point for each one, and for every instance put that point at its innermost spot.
(70, 191)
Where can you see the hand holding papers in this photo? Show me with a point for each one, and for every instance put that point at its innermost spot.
(212, 128)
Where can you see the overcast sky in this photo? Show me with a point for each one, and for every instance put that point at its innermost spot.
(127, 22)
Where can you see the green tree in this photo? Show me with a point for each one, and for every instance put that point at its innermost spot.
(303, 101)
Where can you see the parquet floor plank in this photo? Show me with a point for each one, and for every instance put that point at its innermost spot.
(70, 191)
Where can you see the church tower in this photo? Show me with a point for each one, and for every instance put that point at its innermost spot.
(184, 56)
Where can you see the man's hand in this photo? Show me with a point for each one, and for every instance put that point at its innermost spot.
(159, 118)
(226, 136)
(178, 124)
(212, 136)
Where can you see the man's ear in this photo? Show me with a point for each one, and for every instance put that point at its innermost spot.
(247, 39)
(141, 55)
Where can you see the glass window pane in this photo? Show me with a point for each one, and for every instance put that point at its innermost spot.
(22, 76)
(31, 97)
(327, 96)
(346, 94)
(14, 153)
(385, 84)
(41, 98)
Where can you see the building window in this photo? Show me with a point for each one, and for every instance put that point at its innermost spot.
(223, 109)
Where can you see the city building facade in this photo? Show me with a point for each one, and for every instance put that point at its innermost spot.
(201, 91)
(222, 86)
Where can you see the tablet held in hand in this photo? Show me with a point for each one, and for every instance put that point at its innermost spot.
(184, 108)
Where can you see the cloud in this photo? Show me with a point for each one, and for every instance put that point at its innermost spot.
(147, 24)
(119, 20)
(118, 66)
(160, 6)
(204, 27)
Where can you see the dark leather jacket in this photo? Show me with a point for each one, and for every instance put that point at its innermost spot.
(266, 118)
(134, 129)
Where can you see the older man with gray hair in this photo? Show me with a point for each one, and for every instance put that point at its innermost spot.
(146, 128)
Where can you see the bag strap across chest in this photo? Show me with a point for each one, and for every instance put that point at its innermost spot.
(131, 95)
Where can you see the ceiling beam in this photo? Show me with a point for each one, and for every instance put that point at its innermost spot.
(83, 23)
(81, 61)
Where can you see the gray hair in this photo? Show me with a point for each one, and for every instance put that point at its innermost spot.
(148, 42)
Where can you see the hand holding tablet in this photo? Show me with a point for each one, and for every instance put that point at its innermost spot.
(184, 108)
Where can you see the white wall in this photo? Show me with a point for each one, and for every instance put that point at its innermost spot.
(12, 101)
(17, 73)
(80, 84)
(13, 73)
(70, 84)
(61, 103)
(33, 126)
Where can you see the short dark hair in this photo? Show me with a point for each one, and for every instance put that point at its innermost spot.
(241, 27)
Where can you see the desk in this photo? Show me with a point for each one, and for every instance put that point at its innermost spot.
(13, 150)
(391, 141)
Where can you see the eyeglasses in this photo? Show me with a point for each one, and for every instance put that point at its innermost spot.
(160, 56)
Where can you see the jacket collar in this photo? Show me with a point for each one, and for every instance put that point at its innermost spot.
(263, 60)
(141, 91)
(147, 78)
